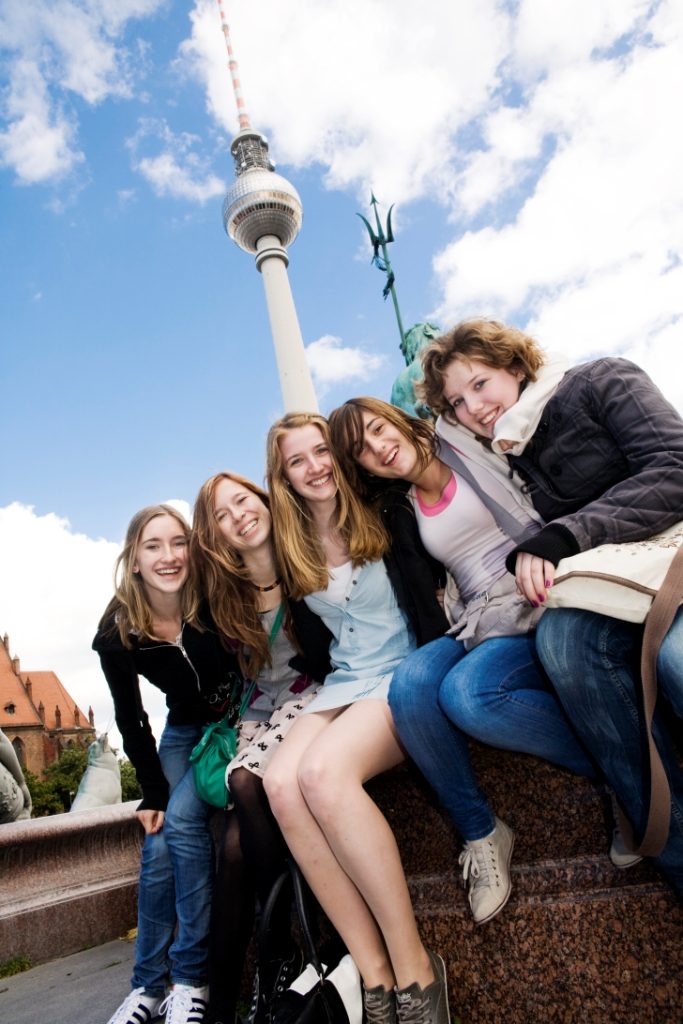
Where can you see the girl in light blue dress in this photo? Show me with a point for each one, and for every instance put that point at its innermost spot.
(330, 548)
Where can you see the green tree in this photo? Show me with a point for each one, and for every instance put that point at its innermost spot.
(54, 792)
(130, 787)
(45, 799)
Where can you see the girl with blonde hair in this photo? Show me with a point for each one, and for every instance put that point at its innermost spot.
(232, 547)
(152, 628)
(330, 547)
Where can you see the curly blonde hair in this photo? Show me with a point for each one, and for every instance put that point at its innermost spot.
(130, 605)
(489, 341)
(297, 544)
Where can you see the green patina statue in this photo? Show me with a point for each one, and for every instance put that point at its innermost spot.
(412, 341)
(403, 390)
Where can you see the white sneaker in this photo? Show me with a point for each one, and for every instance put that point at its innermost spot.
(137, 1008)
(486, 865)
(185, 1005)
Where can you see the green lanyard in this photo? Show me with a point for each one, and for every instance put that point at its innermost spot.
(277, 622)
(274, 630)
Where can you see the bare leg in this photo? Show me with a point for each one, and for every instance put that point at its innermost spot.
(341, 840)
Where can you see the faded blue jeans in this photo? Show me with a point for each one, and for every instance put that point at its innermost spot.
(594, 662)
(176, 878)
(496, 693)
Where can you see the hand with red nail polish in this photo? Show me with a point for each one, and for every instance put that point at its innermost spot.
(534, 577)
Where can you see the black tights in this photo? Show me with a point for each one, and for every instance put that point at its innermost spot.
(251, 856)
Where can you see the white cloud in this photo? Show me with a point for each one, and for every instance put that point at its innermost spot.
(55, 50)
(331, 363)
(125, 196)
(373, 92)
(39, 142)
(56, 584)
(178, 170)
(578, 189)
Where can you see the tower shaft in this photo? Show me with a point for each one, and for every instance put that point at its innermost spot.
(262, 213)
(298, 394)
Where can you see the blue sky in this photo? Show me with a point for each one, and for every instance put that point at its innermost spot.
(534, 162)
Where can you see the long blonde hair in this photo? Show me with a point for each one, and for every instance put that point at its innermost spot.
(233, 601)
(130, 604)
(299, 549)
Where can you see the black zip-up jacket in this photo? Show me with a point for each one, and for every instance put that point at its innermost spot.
(414, 574)
(199, 676)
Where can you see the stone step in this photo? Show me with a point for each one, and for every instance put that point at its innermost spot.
(579, 940)
(553, 813)
(574, 944)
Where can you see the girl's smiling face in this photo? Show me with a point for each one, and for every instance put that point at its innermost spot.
(385, 451)
(307, 463)
(161, 557)
(479, 394)
(242, 518)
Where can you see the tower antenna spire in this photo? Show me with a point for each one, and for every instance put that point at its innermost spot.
(242, 115)
(262, 213)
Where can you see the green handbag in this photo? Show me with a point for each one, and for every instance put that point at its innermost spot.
(212, 755)
(218, 745)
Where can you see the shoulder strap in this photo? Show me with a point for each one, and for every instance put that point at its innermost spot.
(304, 919)
(507, 522)
(657, 624)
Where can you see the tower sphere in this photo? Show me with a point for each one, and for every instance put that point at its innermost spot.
(261, 202)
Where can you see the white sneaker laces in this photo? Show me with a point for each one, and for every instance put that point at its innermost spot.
(477, 863)
(183, 1005)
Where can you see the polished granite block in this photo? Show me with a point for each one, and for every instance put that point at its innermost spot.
(591, 954)
(579, 940)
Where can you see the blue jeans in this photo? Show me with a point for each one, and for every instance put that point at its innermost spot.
(594, 662)
(496, 693)
(176, 878)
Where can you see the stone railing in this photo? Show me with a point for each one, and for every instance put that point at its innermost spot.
(68, 881)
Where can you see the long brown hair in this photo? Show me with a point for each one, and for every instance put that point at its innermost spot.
(233, 601)
(299, 550)
(130, 605)
(347, 433)
(489, 341)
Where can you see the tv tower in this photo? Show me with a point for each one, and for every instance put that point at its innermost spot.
(262, 213)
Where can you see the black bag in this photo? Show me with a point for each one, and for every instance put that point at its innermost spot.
(320, 995)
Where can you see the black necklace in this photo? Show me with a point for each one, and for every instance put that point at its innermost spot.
(265, 590)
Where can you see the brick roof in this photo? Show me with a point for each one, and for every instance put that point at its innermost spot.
(12, 693)
(45, 687)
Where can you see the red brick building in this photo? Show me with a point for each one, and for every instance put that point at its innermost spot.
(38, 715)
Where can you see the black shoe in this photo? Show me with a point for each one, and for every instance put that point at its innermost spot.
(271, 981)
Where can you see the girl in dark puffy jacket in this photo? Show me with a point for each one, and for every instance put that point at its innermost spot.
(599, 451)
